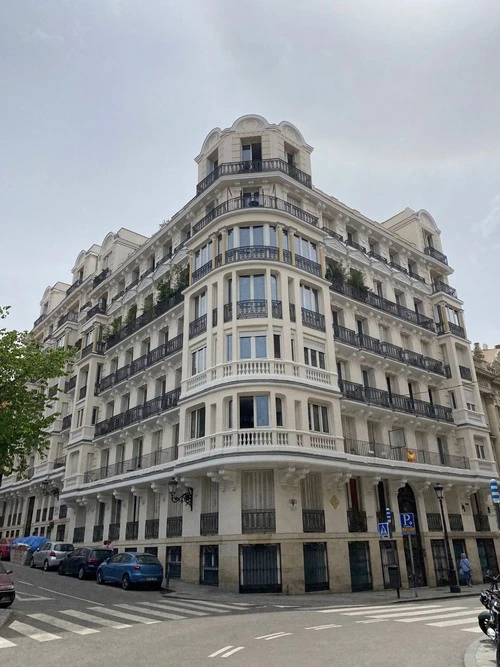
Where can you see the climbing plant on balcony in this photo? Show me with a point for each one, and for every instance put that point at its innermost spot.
(25, 371)
(356, 279)
(335, 272)
(132, 314)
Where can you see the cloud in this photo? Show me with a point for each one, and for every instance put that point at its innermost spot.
(489, 224)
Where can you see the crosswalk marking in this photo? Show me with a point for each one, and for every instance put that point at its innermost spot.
(64, 625)
(234, 650)
(221, 650)
(418, 612)
(94, 619)
(205, 603)
(456, 621)
(339, 610)
(5, 643)
(173, 617)
(33, 633)
(476, 629)
(153, 612)
(434, 617)
(127, 617)
(195, 605)
(181, 610)
(381, 613)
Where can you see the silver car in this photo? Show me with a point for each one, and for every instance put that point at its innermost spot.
(49, 555)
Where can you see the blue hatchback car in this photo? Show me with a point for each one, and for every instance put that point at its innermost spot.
(131, 569)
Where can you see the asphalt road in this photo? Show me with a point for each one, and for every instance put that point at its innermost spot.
(125, 628)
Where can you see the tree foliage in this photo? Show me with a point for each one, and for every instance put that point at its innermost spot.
(25, 371)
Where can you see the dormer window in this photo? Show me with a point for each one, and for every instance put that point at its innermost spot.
(80, 275)
(291, 155)
(213, 162)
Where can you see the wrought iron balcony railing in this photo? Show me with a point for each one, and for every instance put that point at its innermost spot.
(355, 245)
(465, 373)
(152, 529)
(198, 326)
(481, 523)
(209, 523)
(454, 329)
(98, 309)
(71, 316)
(79, 535)
(100, 278)
(356, 521)
(313, 320)
(439, 286)
(174, 526)
(114, 531)
(98, 533)
(313, 521)
(434, 522)
(435, 254)
(456, 522)
(253, 166)
(131, 530)
(258, 521)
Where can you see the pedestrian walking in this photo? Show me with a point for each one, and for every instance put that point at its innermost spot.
(466, 569)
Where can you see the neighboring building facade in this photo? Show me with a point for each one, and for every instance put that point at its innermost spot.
(296, 367)
(487, 365)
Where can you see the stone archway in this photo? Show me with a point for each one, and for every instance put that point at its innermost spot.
(407, 503)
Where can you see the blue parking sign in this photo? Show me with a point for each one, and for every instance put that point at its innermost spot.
(407, 520)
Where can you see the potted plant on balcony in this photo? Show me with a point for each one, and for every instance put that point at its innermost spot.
(357, 280)
(335, 273)
(132, 314)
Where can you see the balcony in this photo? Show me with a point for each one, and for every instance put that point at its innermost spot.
(355, 245)
(263, 201)
(153, 357)
(434, 522)
(356, 521)
(358, 392)
(378, 302)
(250, 253)
(398, 267)
(254, 166)
(451, 328)
(148, 271)
(435, 254)
(118, 295)
(465, 373)
(79, 535)
(59, 463)
(145, 461)
(82, 393)
(209, 523)
(148, 316)
(313, 521)
(197, 326)
(258, 521)
(439, 286)
(98, 309)
(132, 530)
(98, 533)
(307, 265)
(73, 287)
(481, 523)
(201, 272)
(456, 523)
(313, 320)
(39, 320)
(70, 384)
(114, 531)
(71, 316)
(376, 255)
(174, 526)
(152, 529)
(100, 348)
(416, 276)
(100, 278)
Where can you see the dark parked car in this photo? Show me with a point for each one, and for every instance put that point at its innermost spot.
(7, 588)
(129, 569)
(5, 548)
(83, 562)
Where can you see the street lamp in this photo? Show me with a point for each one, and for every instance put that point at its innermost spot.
(452, 575)
(48, 489)
(184, 495)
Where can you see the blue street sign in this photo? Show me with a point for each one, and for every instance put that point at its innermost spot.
(495, 495)
(388, 514)
(407, 523)
(383, 531)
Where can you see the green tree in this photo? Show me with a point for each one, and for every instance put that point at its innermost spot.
(25, 371)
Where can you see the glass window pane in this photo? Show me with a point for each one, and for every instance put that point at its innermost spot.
(230, 239)
(262, 410)
(272, 237)
(260, 347)
(321, 358)
(258, 236)
(229, 347)
(313, 252)
(274, 288)
(244, 237)
(259, 287)
(279, 412)
(316, 418)
(285, 240)
(244, 285)
(324, 416)
(314, 358)
(245, 347)
(277, 346)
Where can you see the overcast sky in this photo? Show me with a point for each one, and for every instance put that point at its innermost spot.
(105, 103)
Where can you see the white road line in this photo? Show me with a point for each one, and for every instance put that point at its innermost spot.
(221, 650)
(381, 613)
(127, 617)
(5, 643)
(419, 612)
(204, 603)
(238, 648)
(194, 605)
(456, 621)
(173, 617)
(64, 625)
(324, 627)
(434, 617)
(373, 620)
(26, 583)
(71, 596)
(94, 619)
(178, 608)
(477, 629)
(339, 610)
(274, 635)
(153, 612)
(31, 632)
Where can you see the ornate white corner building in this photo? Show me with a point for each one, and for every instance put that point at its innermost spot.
(258, 381)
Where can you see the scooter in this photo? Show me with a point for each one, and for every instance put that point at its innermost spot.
(488, 598)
